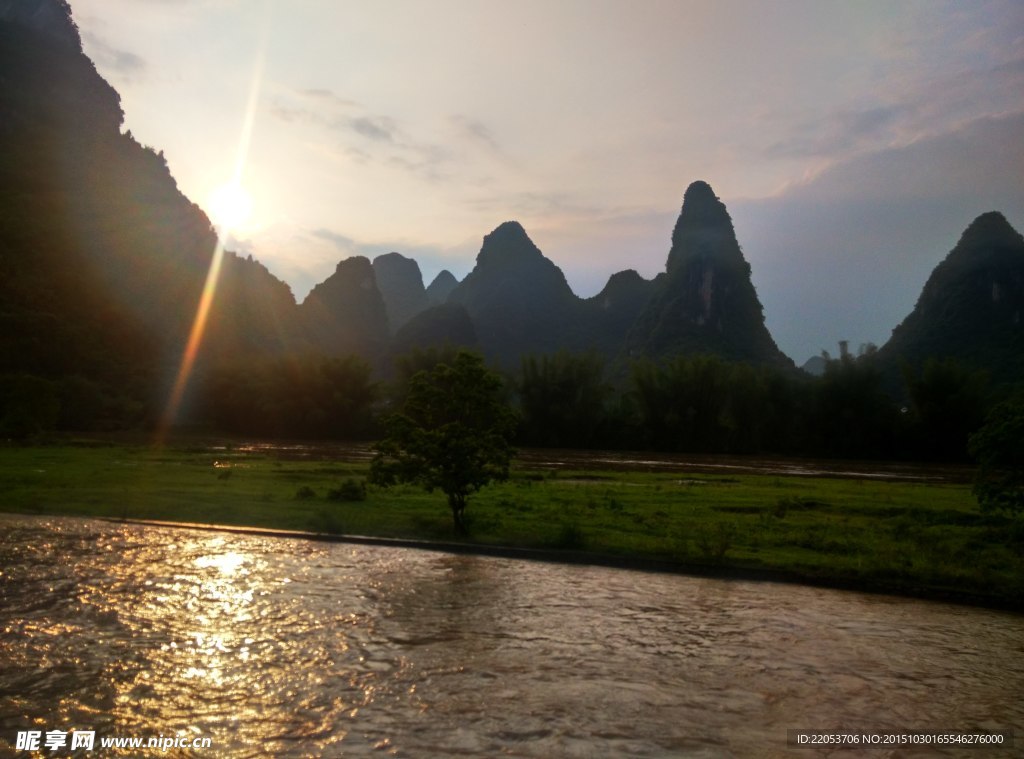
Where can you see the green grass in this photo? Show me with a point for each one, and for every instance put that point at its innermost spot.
(907, 537)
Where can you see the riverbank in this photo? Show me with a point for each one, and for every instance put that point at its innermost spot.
(911, 535)
(721, 571)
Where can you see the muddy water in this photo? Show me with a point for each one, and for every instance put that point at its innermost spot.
(282, 647)
(649, 461)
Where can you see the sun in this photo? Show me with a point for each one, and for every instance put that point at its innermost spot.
(230, 206)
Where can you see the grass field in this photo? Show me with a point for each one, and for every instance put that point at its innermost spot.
(902, 536)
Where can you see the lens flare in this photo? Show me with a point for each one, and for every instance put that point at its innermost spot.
(234, 202)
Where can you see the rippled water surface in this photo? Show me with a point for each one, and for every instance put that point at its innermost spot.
(285, 647)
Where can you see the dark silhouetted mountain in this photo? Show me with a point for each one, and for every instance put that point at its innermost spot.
(518, 300)
(255, 312)
(48, 18)
(815, 366)
(706, 302)
(401, 285)
(971, 308)
(48, 82)
(103, 263)
(442, 286)
(98, 246)
(609, 315)
(346, 314)
(438, 326)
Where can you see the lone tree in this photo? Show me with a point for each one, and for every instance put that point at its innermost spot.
(452, 433)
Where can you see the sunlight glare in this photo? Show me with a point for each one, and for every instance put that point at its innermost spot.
(226, 563)
(230, 206)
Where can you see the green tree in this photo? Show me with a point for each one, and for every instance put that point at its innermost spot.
(28, 405)
(947, 401)
(998, 448)
(850, 413)
(408, 365)
(703, 403)
(309, 396)
(562, 397)
(452, 433)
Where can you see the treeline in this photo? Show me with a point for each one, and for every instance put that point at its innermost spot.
(703, 404)
(307, 397)
(691, 404)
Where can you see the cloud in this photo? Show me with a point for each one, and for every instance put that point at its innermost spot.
(845, 254)
(980, 158)
(352, 247)
(123, 62)
(332, 98)
(341, 242)
(378, 128)
(319, 107)
(364, 135)
(476, 132)
(536, 205)
(840, 133)
(456, 147)
(287, 113)
(929, 79)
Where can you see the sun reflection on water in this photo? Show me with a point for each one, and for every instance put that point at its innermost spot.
(203, 634)
(376, 652)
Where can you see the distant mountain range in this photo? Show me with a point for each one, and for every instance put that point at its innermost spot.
(103, 261)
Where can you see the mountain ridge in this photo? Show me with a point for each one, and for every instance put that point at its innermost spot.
(706, 302)
(104, 262)
(971, 307)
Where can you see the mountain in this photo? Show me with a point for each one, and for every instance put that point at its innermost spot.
(438, 326)
(401, 285)
(518, 300)
(442, 286)
(254, 312)
(102, 259)
(609, 315)
(706, 302)
(48, 18)
(815, 366)
(346, 313)
(971, 308)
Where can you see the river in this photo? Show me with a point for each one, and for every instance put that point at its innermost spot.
(648, 461)
(289, 647)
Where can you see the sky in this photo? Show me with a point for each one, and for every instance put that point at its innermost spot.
(852, 142)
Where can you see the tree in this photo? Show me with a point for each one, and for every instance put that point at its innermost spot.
(408, 365)
(309, 396)
(452, 433)
(703, 403)
(947, 401)
(562, 398)
(851, 414)
(999, 449)
(28, 405)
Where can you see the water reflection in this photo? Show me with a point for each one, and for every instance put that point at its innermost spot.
(297, 648)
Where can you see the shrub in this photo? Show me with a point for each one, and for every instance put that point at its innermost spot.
(326, 521)
(349, 490)
(715, 543)
(569, 536)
